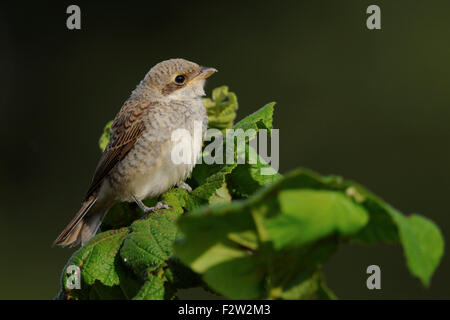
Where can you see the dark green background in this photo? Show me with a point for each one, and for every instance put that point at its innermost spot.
(372, 106)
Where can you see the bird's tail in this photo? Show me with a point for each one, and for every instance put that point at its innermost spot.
(83, 226)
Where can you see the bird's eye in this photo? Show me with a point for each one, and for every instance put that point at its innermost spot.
(179, 79)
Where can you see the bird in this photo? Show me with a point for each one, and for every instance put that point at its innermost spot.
(137, 162)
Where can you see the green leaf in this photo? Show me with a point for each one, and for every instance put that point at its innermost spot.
(214, 179)
(294, 272)
(242, 255)
(261, 119)
(101, 292)
(104, 138)
(421, 239)
(221, 195)
(307, 215)
(120, 215)
(180, 276)
(274, 243)
(247, 178)
(221, 109)
(220, 94)
(422, 242)
(219, 239)
(213, 188)
(98, 259)
(153, 289)
(313, 288)
(246, 282)
(220, 254)
(149, 243)
(381, 226)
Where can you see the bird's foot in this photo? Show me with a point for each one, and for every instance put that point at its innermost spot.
(151, 210)
(185, 186)
(160, 205)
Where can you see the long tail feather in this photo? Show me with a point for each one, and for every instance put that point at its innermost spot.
(71, 235)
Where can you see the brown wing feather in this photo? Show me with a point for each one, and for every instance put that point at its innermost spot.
(125, 130)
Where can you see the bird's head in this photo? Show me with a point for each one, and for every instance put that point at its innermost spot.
(177, 79)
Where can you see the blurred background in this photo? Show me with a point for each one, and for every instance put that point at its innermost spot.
(372, 106)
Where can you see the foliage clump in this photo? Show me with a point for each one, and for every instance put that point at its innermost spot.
(241, 234)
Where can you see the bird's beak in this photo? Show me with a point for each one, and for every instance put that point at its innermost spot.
(206, 73)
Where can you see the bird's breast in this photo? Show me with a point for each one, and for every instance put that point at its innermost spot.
(173, 164)
(163, 156)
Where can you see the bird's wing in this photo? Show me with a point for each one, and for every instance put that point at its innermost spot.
(125, 131)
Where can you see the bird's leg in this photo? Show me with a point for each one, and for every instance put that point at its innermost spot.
(158, 206)
(185, 186)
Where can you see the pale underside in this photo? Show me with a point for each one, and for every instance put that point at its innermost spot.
(147, 181)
